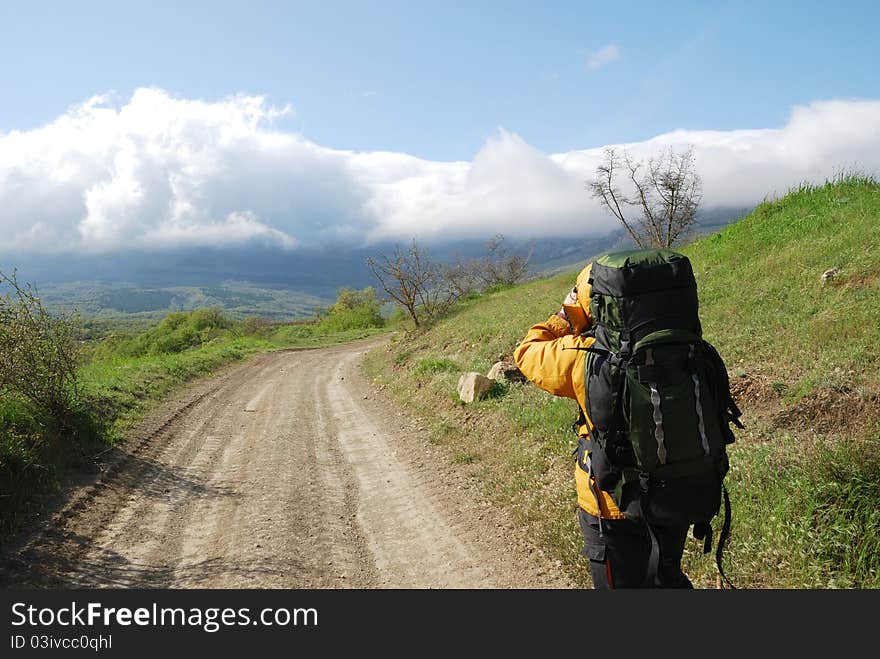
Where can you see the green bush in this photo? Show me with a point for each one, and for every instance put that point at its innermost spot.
(176, 333)
(352, 310)
(39, 352)
(255, 326)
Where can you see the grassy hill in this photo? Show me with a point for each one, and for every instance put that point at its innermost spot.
(803, 355)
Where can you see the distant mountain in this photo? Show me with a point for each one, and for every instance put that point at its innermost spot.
(265, 281)
(97, 300)
(554, 256)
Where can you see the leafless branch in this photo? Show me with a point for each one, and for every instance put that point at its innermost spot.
(666, 193)
(413, 281)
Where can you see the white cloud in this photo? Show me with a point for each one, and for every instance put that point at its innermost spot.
(159, 172)
(510, 187)
(602, 57)
(742, 167)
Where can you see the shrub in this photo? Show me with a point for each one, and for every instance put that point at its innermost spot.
(255, 326)
(177, 332)
(352, 310)
(38, 351)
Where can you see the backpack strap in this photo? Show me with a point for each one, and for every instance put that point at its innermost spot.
(587, 466)
(722, 539)
(653, 569)
(596, 494)
(730, 412)
(703, 531)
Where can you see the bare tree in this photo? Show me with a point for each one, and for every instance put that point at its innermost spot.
(658, 203)
(501, 268)
(462, 277)
(412, 280)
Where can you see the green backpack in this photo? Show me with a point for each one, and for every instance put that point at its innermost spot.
(658, 395)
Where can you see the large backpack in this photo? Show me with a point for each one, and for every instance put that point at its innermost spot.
(658, 395)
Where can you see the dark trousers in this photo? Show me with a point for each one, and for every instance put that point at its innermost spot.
(619, 557)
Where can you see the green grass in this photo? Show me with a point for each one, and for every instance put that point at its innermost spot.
(805, 501)
(761, 293)
(430, 366)
(807, 513)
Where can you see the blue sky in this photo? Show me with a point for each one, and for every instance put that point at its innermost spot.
(437, 79)
(154, 125)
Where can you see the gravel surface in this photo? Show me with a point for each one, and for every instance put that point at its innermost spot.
(287, 471)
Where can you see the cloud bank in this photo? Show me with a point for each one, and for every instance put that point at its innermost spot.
(158, 172)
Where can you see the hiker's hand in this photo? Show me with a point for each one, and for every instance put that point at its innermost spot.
(574, 313)
(570, 300)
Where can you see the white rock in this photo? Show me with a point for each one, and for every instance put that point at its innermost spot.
(505, 371)
(830, 274)
(473, 386)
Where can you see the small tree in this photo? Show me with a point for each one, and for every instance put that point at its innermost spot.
(412, 280)
(463, 277)
(499, 268)
(658, 203)
(38, 351)
(496, 268)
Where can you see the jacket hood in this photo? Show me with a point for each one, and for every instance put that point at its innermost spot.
(584, 288)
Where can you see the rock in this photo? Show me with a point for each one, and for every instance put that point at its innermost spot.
(830, 274)
(473, 386)
(506, 371)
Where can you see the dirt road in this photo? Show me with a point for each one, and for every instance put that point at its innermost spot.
(285, 472)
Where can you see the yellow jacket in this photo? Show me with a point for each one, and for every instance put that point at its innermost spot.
(545, 356)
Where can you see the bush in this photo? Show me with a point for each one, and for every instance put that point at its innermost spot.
(352, 310)
(177, 332)
(39, 352)
(255, 326)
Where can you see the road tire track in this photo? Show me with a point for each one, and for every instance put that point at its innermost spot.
(282, 472)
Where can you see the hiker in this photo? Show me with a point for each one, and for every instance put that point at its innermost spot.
(566, 354)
